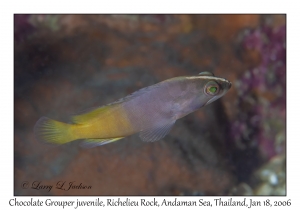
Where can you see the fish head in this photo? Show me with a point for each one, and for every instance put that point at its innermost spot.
(210, 87)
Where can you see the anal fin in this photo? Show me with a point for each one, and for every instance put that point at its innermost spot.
(90, 143)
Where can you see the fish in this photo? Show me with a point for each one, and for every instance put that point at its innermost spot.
(151, 111)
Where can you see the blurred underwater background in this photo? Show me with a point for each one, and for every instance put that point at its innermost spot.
(64, 64)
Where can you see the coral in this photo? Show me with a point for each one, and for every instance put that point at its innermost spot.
(262, 93)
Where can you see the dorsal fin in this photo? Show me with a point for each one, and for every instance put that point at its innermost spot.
(90, 114)
(93, 113)
(136, 94)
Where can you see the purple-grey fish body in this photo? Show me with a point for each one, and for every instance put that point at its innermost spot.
(151, 112)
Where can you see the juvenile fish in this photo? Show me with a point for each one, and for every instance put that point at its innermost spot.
(151, 112)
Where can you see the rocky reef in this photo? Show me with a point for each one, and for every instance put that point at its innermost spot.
(235, 146)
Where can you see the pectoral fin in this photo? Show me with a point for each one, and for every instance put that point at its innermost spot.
(156, 133)
(89, 143)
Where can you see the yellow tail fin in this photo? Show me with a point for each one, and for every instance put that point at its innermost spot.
(54, 132)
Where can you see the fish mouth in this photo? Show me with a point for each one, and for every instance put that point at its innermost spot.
(229, 84)
(211, 100)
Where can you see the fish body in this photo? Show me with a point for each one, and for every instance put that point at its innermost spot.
(151, 112)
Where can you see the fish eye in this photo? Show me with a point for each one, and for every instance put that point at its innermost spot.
(212, 88)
